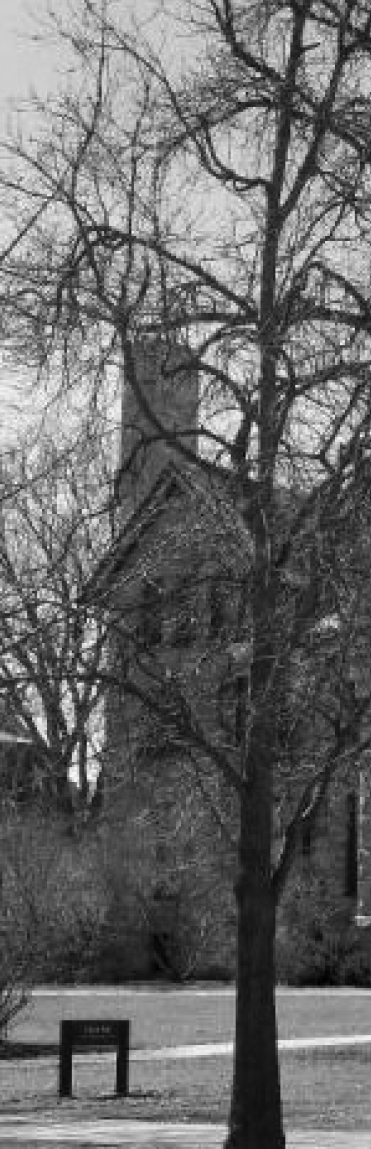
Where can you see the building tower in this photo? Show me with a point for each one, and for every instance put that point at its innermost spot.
(168, 381)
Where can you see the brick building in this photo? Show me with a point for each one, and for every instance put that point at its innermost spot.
(173, 581)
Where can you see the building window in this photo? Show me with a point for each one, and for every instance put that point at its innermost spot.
(232, 710)
(241, 704)
(306, 839)
(150, 615)
(185, 618)
(217, 599)
(351, 846)
(227, 709)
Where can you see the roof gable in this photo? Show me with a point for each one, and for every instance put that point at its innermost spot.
(198, 490)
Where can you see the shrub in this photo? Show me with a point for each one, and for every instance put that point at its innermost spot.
(318, 942)
(53, 900)
(354, 966)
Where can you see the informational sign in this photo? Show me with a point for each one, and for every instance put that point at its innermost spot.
(94, 1034)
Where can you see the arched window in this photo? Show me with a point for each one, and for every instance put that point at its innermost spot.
(150, 614)
(184, 612)
(232, 708)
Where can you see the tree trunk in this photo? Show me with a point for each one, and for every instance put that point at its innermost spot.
(256, 1111)
(256, 1114)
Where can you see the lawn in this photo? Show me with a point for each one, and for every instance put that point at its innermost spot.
(181, 1017)
(328, 1088)
(165, 1017)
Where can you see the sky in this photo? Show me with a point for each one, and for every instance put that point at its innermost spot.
(26, 65)
(30, 63)
(23, 64)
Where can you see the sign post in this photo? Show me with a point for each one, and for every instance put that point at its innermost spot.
(79, 1036)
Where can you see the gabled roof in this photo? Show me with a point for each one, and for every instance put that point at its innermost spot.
(209, 489)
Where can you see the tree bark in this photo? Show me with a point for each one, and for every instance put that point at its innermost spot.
(256, 1111)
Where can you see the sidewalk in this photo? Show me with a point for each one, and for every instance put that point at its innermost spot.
(217, 1049)
(153, 1135)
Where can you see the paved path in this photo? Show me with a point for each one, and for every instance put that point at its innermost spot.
(214, 1049)
(225, 1048)
(195, 990)
(155, 1135)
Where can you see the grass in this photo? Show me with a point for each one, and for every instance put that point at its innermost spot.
(157, 1019)
(323, 1013)
(180, 1017)
(321, 1089)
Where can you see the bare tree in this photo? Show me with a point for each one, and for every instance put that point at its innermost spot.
(230, 206)
(57, 518)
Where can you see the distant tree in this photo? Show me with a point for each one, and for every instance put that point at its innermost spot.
(229, 205)
(56, 520)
